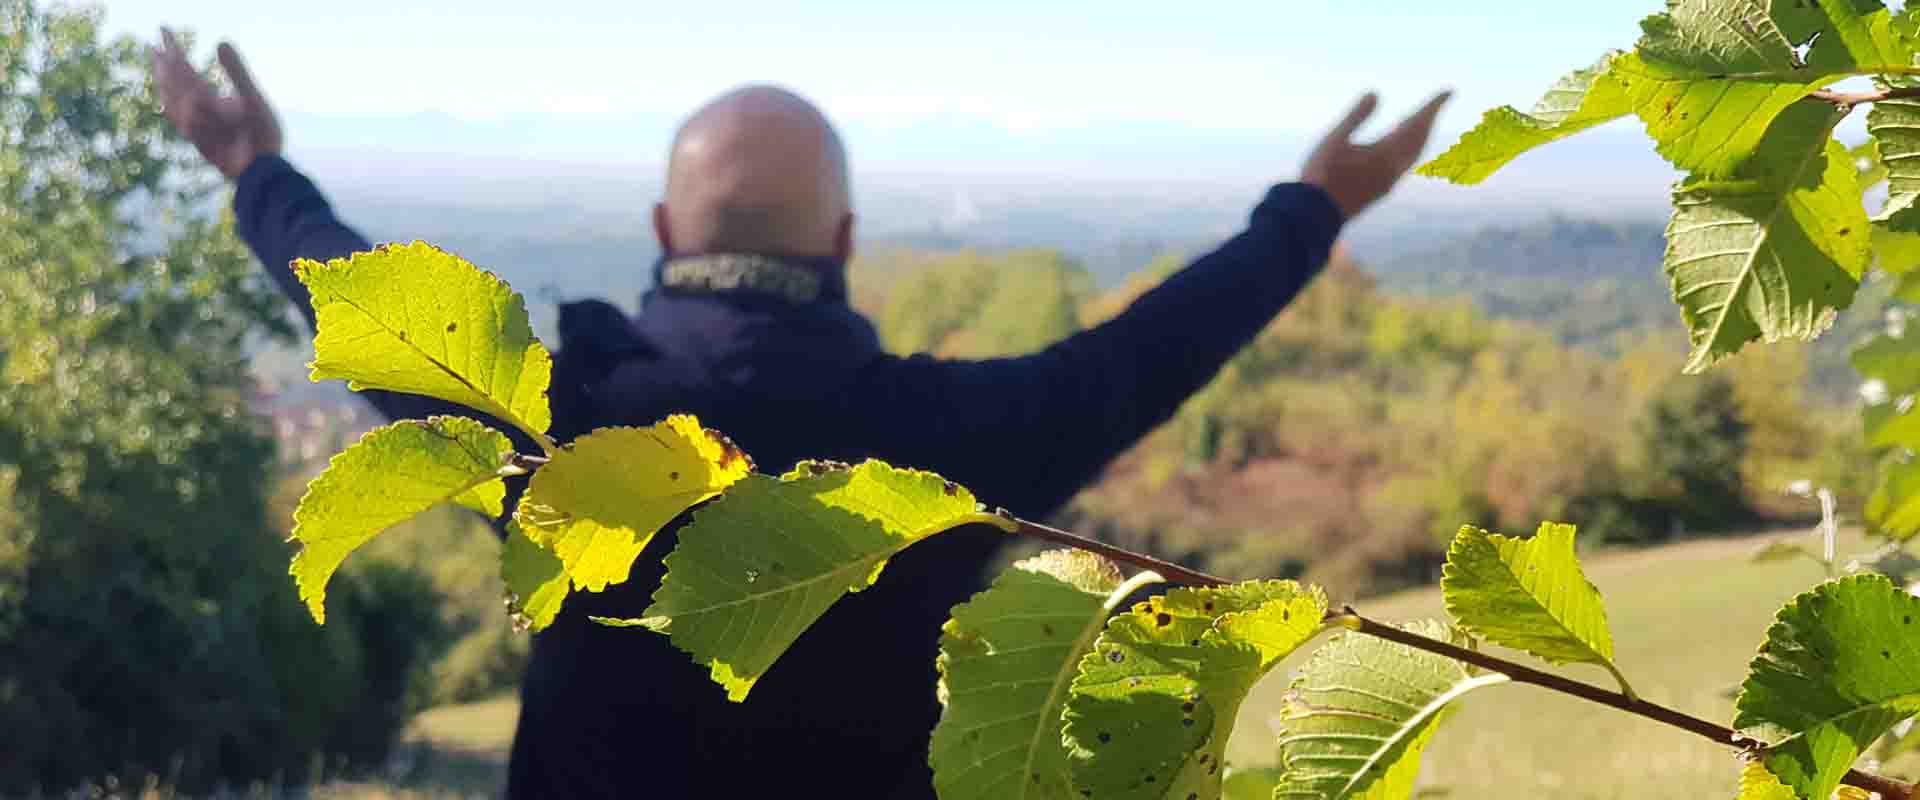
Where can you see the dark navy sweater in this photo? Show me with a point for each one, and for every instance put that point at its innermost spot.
(848, 710)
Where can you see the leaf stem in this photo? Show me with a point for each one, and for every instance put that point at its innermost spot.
(1887, 788)
(1848, 100)
(527, 463)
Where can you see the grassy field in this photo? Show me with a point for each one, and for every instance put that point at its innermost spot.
(450, 752)
(1686, 619)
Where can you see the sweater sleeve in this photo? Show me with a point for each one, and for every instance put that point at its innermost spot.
(1028, 432)
(282, 216)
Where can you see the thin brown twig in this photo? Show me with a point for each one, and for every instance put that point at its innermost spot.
(1167, 569)
(1851, 99)
(1887, 788)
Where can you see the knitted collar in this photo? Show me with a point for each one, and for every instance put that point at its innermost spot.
(797, 280)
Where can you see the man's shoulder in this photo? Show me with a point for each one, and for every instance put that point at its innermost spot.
(600, 329)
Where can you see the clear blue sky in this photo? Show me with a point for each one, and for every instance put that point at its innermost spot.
(1288, 67)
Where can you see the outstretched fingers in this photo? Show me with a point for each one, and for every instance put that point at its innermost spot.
(236, 69)
(1356, 117)
(1410, 136)
(181, 89)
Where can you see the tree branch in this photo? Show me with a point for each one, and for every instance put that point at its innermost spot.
(1887, 788)
(1847, 100)
(1167, 569)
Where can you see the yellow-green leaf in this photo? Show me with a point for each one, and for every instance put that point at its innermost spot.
(604, 496)
(1701, 119)
(1581, 100)
(1851, 35)
(393, 473)
(1775, 251)
(1006, 659)
(1835, 673)
(753, 570)
(1528, 594)
(1362, 710)
(1756, 783)
(413, 318)
(1895, 128)
(1156, 698)
(537, 582)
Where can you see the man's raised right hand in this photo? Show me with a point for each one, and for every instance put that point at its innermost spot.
(230, 132)
(1355, 175)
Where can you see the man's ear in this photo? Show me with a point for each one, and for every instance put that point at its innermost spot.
(660, 229)
(843, 240)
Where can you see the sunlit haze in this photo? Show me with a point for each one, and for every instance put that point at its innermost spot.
(1219, 91)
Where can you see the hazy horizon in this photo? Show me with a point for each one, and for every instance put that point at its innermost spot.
(1002, 94)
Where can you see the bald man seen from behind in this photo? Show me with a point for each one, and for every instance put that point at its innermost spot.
(747, 325)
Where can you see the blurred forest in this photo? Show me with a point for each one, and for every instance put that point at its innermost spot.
(148, 631)
(1362, 428)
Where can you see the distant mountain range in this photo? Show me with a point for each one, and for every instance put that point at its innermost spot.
(1558, 247)
(1586, 281)
(1586, 263)
(1112, 195)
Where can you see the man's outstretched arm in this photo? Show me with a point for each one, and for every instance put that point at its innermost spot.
(1030, 431)
(279, 212)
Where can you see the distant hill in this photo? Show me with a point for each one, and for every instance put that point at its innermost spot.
(1596, 285)
(1587, 281)
(1557, 246)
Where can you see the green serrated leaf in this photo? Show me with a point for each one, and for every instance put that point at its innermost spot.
(414, 318)
(1528, 594)
(537, 583)
(1580, 100)
(1362, 709)
(1775, 251)
(754, 570)
(1719, 37)
(1835, 672)
(1006, 659)
(602, 498)
(1156, 698)
(1701, 119)
(393, 473)
(1801, 21)
(1848, 35)
(1895, 128)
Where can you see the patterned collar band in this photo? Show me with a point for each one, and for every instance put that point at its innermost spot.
(799, 281)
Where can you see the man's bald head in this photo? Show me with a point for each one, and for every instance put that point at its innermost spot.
(757, 170)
